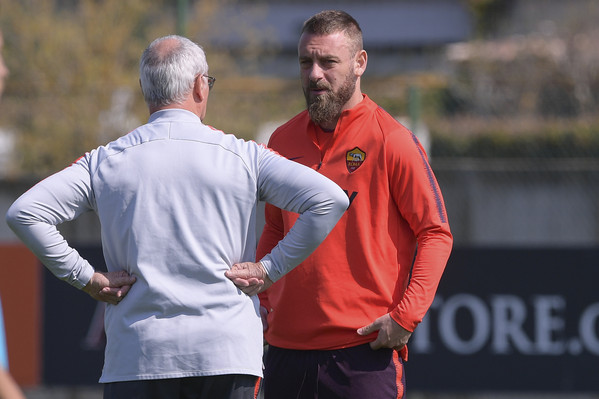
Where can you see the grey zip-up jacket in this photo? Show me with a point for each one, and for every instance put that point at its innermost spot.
(177, 203)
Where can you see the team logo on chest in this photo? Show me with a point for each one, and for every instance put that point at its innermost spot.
(354, 159)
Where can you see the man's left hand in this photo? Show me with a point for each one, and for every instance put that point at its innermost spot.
(110, 287)
(391, 334)
(249, 277)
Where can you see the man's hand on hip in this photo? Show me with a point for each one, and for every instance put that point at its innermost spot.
(391, 334)
(110, 287)
(249, 277)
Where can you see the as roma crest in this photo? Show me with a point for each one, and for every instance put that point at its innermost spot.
(354, 159)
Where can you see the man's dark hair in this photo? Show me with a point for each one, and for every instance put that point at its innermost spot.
(332, 21)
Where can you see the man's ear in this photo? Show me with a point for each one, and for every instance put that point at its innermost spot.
(198, 86)
(360, 62)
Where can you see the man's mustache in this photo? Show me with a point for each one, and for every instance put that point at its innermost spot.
(319, 85)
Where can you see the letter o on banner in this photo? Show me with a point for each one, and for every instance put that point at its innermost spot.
(448, 324)
(586, 328)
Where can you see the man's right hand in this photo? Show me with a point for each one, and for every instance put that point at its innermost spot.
(110, 287)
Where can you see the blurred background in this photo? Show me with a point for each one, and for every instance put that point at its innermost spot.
(504, 95)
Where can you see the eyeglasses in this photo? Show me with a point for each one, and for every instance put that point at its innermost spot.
(211, 81)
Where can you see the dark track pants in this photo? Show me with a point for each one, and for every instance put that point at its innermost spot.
(230, 386)
(351, 373)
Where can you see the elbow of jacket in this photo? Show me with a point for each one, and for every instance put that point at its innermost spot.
(16, 216)
(437, 234)
(11, 217)
(343, 202)
(339, 204)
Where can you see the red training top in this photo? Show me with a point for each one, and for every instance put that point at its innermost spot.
(362, 269)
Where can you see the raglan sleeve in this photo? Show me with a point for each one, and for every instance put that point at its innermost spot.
(272, 233)
(319, 202)
(273, 230)
(418, 197)
(33, 217)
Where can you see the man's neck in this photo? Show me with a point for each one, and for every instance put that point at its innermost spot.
(328, 127)
(184, 105)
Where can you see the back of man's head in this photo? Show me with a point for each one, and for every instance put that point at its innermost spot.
(168, 68)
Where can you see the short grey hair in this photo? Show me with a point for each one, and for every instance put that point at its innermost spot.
(167, 73)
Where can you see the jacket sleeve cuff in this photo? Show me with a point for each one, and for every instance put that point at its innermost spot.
(84, 277)
(407, 324)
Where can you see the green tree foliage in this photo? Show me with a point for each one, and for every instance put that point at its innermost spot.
(65, 63)
(74, 80)
(74, 74)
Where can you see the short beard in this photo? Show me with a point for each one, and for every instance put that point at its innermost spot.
(325, 109)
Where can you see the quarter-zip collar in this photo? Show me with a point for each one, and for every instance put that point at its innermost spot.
(347, 117)
(179, 114)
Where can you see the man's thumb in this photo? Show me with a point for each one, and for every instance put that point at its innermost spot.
(367, 330)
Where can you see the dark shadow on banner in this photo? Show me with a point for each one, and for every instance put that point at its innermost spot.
(73, 339)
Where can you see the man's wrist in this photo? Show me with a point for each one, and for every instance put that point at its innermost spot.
(87, 287)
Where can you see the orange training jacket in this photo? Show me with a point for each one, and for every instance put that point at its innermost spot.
(368, 265)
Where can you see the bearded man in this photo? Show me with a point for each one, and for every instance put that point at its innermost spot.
(337, 326)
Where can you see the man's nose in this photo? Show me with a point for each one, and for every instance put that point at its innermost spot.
(316, 73)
